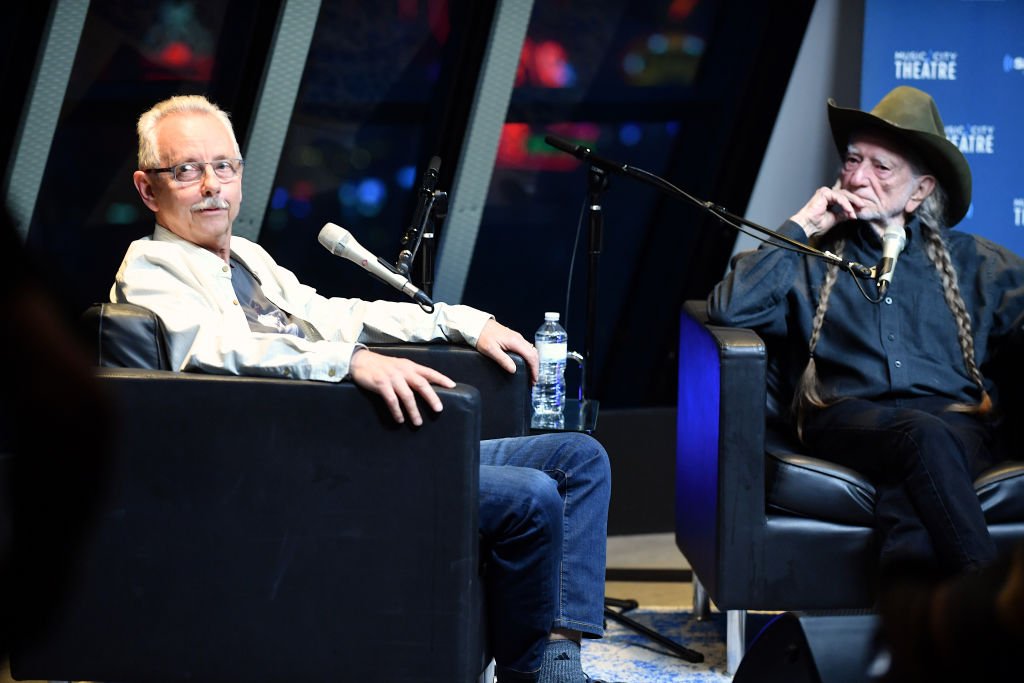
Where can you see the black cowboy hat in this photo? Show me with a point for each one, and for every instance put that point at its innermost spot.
(910, 118)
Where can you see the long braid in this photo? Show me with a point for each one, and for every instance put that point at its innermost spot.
(808, 390)
(938, 254)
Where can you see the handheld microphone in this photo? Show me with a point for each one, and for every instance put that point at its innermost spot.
(893, 240)
(340, 242)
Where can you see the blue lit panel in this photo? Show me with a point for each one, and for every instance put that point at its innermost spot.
(697, 428)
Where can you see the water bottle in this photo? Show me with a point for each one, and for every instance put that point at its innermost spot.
(549, 391)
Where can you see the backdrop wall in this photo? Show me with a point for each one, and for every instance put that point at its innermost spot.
(970, 57)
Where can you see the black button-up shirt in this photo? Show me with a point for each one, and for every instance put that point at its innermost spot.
(904, 345)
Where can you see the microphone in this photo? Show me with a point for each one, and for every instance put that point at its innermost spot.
(410, 240)
(893, 240)
(584, 153)
(430, 175)
(340, 242)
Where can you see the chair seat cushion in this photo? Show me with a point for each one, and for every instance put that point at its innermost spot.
(809, 487)
(1001, 490)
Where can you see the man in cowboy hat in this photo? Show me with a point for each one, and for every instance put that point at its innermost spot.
(886, 380)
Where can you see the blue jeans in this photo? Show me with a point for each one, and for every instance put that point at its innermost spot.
(543, 524)
(923, 460)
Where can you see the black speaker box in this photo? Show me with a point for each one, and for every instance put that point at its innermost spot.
(801, 648)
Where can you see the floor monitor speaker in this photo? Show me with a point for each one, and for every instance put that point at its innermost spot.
(802, 648)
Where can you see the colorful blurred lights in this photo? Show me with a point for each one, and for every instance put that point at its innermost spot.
(630, 134)
(279, 199)
(176, 55)
(366, 197)
(633, 64)
(545, 64)
(657, 43)
(405, 176)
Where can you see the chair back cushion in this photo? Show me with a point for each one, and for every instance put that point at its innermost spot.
(126, 336)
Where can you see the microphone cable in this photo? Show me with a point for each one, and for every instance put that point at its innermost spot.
(572, 261)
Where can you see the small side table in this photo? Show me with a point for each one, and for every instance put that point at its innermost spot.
(578, 416)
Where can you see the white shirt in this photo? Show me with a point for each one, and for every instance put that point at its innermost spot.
(189, 288)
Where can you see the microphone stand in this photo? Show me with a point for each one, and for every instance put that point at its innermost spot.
(420, 234)
(597, 183)
(438, 212)
(432, 204)
(585, 154)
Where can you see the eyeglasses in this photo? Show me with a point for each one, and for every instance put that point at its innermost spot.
(192, 171)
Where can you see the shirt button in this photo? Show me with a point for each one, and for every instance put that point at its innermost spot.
(899, 364)
(234, 301)
(224, 269)
(331, 372)
(888, 300)
(892, 337)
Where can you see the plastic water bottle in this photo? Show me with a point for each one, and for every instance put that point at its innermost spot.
(549, 391)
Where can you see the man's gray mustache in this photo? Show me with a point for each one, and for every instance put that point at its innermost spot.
(211, 203)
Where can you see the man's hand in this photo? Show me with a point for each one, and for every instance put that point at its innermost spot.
(398, 380)
(496, 341)
(827, 207)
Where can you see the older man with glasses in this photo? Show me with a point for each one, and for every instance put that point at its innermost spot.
(228, 307)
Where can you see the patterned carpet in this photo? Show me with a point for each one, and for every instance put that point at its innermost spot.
(630, 657)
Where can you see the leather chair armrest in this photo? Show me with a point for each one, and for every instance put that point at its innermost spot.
(129, 336)
(505, 398)
(720, 465)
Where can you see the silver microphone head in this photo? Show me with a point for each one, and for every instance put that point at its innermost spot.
(334, 238)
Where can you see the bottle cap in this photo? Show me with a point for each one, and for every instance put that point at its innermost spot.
(551, 315)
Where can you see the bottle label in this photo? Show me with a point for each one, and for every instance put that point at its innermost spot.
(552, 352)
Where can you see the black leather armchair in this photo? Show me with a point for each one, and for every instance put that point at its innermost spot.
(763, 526)
(257, 529)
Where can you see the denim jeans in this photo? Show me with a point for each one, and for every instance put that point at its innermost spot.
(923, 460)
(543, 523)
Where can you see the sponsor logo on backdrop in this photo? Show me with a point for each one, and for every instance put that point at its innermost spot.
(925, 65)
(1013, 64)
(1018, 211)
(973, 139)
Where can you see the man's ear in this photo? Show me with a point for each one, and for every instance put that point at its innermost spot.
(924, 187)
(144, 185)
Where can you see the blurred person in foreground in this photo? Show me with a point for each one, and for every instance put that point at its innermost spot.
(56, 429)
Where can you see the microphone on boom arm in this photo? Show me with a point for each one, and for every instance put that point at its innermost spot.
(893, 240)
(586, 154)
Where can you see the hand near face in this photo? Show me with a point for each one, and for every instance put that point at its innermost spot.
(826, 208)
(496, 341)
(398, 380)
